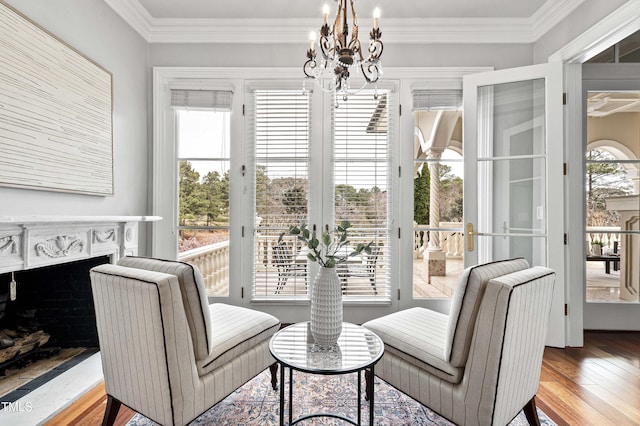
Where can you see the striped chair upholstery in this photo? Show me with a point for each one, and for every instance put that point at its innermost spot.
(466, 302)
(501, 371)
(194, 297)
(148, 353)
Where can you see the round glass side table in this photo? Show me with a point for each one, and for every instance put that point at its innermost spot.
(357, 350)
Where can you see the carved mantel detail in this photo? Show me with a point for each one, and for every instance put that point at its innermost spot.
(9, 244)
(60, 246)
(104, 235)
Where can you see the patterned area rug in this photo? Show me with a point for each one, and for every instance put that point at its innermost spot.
(256, 403)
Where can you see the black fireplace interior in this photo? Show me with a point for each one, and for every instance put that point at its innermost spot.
(56, 299)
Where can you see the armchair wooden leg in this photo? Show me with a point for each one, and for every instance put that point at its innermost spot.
(273, 368)
(110, 414)
(531, 412)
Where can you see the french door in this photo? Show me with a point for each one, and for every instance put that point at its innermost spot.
(513, 167)
(611, 90)
(316, 160)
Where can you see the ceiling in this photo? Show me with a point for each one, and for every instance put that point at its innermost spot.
(603, 104)
(271, 9)
(289, 21)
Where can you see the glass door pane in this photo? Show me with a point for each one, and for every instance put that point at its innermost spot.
(438, 250)
(611, 195)
(203, 205)
(511, 172)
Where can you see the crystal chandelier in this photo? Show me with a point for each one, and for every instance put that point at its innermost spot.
(342, 53)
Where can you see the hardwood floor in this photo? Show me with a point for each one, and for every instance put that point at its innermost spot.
(598, 384)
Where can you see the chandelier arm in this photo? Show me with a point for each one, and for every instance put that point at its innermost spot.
(309, 68)
(357, 49)
(354, 16)
(327, 47)
(370, 71)
(375, 50)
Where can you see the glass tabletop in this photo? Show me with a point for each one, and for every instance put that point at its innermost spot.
(357, 348)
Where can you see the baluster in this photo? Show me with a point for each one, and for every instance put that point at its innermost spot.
(206, 260)
(446, 244)
(449, 239)
(215, 266)
(225, 276)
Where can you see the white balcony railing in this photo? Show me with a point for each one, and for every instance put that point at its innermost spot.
(213, 260)
(213, 263)
(452, 242)
(607, 234)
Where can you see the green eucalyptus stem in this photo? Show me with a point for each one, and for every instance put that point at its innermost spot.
(324, 250)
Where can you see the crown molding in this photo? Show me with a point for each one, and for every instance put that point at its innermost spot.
(290, 30)
(619, 24)
(133, 14)
(551, 14)
(260, 31)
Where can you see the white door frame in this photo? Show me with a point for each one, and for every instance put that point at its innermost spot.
(616, 26)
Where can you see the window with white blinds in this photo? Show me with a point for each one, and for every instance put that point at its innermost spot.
(361, 129)
(280, 123)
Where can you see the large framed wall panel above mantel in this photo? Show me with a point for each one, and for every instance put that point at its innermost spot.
(56, 128)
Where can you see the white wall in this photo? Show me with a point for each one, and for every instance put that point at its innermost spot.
(93, 28)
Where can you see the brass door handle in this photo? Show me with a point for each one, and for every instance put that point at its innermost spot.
(470, 234)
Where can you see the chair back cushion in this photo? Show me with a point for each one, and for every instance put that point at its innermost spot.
(194, 297)
(524, 298)
(466, 302)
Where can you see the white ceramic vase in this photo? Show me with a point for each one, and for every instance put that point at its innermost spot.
(326, 307)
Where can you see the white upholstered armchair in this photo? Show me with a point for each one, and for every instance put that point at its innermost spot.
(166, 353)
(479, 365)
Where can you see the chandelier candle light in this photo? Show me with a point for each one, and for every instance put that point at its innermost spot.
(343, 53)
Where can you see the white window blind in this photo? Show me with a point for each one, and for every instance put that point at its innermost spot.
(431, 100)
(197, 99)
(361, 129)
(280, 131)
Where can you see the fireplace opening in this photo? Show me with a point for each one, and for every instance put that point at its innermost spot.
(47, 324)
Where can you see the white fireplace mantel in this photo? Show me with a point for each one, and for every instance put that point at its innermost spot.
(28, 242)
